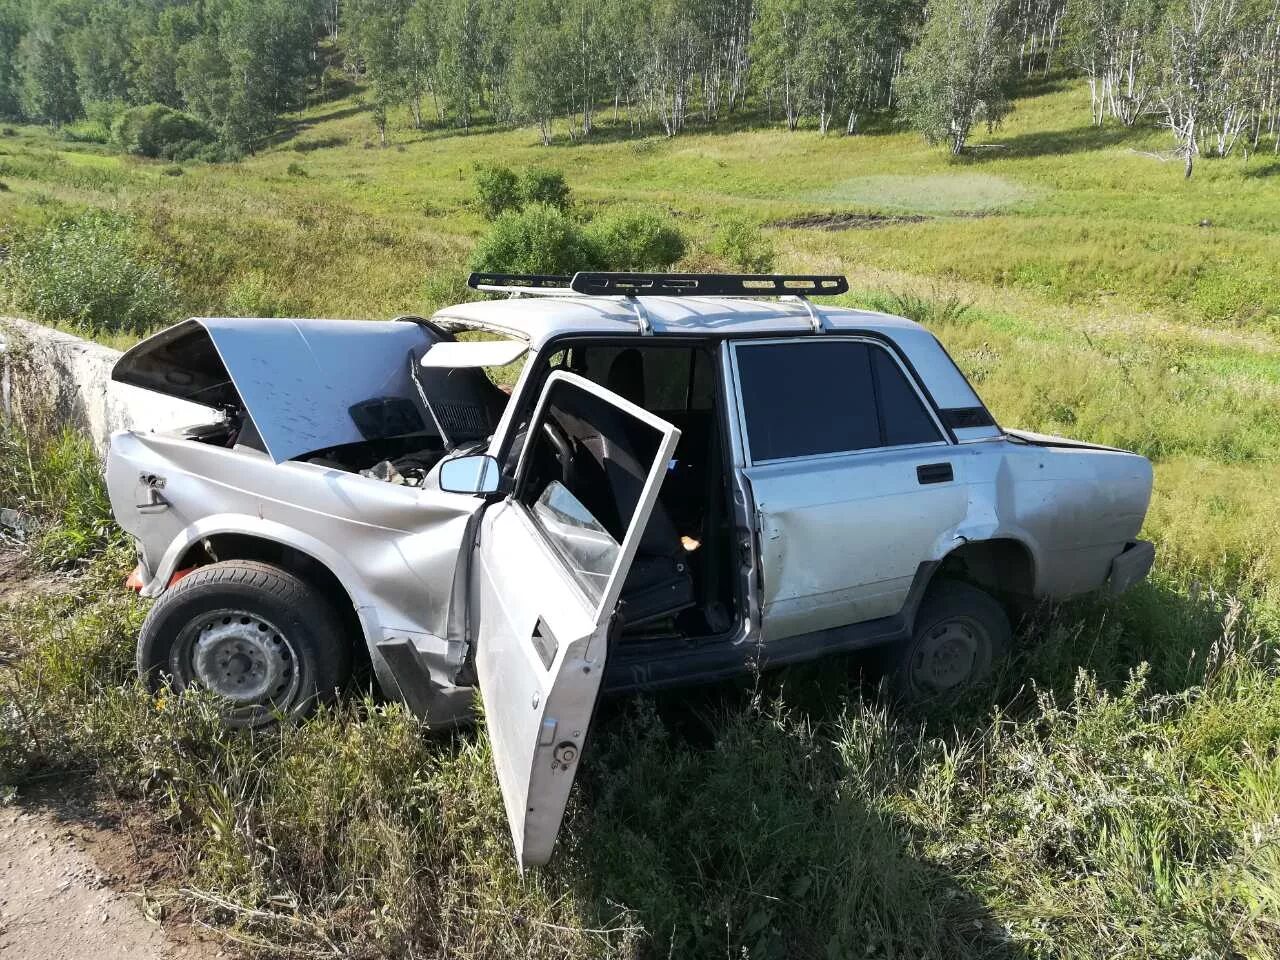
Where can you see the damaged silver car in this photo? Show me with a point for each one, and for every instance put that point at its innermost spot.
(693, 476)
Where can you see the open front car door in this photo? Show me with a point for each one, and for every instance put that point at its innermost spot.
(549, 569)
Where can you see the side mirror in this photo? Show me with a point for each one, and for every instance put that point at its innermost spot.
(474, 474)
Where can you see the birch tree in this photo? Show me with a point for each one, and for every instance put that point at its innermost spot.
(955, 75)
(1203, 81)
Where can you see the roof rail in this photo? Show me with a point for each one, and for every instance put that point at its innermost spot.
(707, 284)
(601, 284)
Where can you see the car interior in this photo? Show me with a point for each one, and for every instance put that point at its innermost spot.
(680, 585)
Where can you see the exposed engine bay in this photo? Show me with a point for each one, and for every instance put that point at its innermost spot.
(393, 425)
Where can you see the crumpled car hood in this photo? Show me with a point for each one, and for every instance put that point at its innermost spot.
(296, 379)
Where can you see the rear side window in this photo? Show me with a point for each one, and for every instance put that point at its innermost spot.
(812, 397)
(903, 417)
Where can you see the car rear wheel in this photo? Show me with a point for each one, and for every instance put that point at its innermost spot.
(256, 636)
(960, 632)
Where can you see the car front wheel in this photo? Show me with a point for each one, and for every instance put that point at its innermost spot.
(254, 635)
(959, 633)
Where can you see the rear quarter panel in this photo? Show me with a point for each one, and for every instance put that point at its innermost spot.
(1075, 508)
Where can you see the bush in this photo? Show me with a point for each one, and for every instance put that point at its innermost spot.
(498, 190)
(636, 239)
(173, 170)
(743, 244)
(544, 186)
(87, 272)
(155, 130)
(537, 239)
(296, 169)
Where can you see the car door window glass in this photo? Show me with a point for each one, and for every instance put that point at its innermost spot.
(585, 476)
(821, 396)
(807, 398)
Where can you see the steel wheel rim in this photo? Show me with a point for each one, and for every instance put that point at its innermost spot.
(948, 655)
(241, 657)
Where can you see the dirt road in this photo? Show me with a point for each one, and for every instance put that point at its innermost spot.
(58, 903)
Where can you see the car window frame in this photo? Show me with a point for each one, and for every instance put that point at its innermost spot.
(944, 436)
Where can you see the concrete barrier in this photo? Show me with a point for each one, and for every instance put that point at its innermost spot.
(71, 377)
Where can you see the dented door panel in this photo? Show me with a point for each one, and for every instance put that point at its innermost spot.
(829, 556)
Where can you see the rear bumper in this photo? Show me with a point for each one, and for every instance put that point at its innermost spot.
(1130, 566)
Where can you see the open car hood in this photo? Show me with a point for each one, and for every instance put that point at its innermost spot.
(297, 380)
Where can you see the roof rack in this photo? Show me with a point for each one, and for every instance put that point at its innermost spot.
(599, 284)
(546, 284)
(707, 284)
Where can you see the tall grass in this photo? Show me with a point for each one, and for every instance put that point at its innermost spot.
(51, 475)
(798, 816)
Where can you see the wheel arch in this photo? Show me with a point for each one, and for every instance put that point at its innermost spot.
(1003, 566)
(247, 538)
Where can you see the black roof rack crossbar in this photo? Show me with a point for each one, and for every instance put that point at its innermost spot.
(708, 284)
(534, 281)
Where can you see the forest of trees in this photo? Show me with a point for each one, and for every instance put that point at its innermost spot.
(1208, 70)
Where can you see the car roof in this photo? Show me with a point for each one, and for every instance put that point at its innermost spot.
(539, 318)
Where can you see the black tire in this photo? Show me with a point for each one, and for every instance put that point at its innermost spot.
(960, 632)
(255, 634)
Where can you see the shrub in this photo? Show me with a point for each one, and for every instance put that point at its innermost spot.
(544, 186)
(936, 309)
(636, 239)
(296, 169)
(155, 130)
(87, 272)
(498, 190)
(743, 244)
(319, 143)
(537, 239)
(173, 170)
(215, 153)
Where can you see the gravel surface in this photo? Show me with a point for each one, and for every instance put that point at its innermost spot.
(56, 904)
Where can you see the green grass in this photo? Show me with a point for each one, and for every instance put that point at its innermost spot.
(1115, 792)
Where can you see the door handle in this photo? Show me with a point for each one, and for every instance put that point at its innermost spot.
(934, 473)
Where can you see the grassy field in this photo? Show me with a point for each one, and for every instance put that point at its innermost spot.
(1116, 792)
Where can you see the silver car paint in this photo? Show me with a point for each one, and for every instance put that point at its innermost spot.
(298, 378)
(538, 712)
(841, 537)
(825, 532)
(395, 549)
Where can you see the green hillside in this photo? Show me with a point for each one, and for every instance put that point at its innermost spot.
(1116, 792)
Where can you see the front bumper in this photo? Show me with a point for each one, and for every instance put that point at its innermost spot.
(1130, 566)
